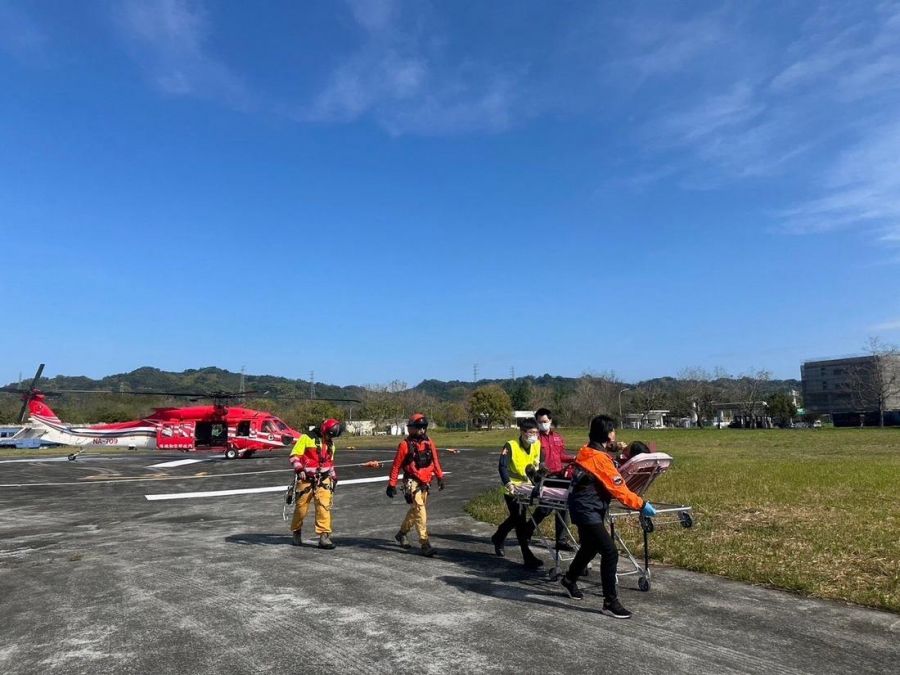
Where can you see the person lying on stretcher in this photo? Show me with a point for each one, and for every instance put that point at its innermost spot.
(633, 449)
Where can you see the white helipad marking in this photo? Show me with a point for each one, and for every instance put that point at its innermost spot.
(177, 462)
(250, 491)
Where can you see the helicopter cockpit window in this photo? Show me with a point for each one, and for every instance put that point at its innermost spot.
(243, 428)
(267, 427)
(279, 424)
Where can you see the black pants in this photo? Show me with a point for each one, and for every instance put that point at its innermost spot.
(559, 523)
(595, 538)
(516, 521)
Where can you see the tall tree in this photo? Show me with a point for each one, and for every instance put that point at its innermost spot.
(490, 403)
(520, 392)
(594, 395)
(781, 408)
(701, 392)
(875, 381)
(749, 389)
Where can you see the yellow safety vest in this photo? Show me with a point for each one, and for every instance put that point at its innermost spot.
(305, 442)
(520, 459)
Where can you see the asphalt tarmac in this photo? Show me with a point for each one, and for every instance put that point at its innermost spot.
(116, 564)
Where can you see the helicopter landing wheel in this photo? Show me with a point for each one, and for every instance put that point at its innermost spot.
(231, 453)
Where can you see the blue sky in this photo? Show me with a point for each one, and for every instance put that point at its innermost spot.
(387, 190)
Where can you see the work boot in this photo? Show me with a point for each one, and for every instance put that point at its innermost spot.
(613, 607)
(296, 539)
(427, 549)
(402, 540)
(498, 546)
(325, 541)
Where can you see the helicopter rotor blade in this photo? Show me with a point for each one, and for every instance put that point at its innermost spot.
(30, 392)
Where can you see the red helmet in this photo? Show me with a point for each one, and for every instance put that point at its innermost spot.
(331, 427)
(417, 421)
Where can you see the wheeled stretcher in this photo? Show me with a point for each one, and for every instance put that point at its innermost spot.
(639, 474)
(551, 494)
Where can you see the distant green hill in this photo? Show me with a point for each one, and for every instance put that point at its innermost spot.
(573, 398)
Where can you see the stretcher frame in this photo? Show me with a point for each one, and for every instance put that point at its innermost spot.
(666, 514)
(639, 474)
(552, 494)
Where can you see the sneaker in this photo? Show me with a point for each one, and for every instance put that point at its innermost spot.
(533, 563)
(428, 550)
(325, 541)
(402, 540)
(571, 588)
(564, 546)
(613, 607)
(498, 546)
(296, 539)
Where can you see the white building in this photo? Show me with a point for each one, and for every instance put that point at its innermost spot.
(361, 427)
(652, 419)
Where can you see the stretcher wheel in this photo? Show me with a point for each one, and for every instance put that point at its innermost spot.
(73, 457)
(686, 520)
(231, 453)
(554, 574)
(644, 584)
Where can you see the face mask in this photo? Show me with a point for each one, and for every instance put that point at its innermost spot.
(544, 426)
(531, 439)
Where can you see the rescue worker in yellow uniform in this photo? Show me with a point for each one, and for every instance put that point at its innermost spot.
(417, 457)
(313, 461)
(519, 461)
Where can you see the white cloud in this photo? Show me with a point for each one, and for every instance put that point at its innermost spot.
(821, 110)
(862, 187)
(409, 88)
(169, 39)
(886, 326)
(658, 46)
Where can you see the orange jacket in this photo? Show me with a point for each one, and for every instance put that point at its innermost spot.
(600, 465)
(424, 469)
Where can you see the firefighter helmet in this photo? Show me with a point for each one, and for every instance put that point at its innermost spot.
(417, 421)
(331, 427)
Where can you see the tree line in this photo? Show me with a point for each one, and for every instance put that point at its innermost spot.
(454, 404)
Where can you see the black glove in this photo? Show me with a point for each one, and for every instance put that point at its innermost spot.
(391, 491)
(440, 483)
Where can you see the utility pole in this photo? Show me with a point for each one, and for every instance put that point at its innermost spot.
(512, 372)
(474, 372)
(241, 386)
(312, 384)
(622, 421)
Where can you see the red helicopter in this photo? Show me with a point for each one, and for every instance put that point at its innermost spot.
(234, 431)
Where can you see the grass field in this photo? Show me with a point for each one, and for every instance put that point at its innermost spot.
(814, 511)
(811, 511)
